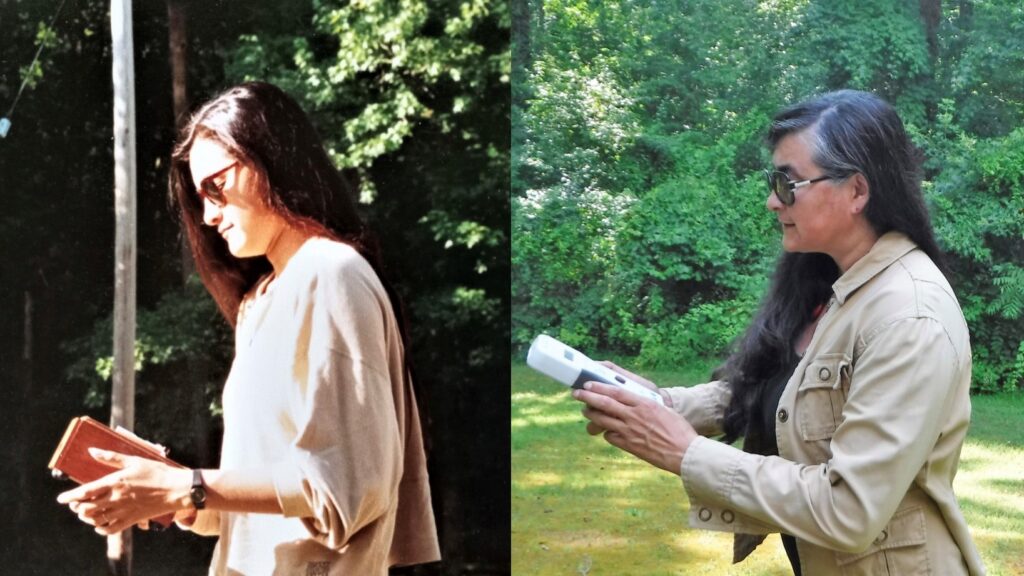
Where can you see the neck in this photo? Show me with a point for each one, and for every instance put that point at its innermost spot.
(856, 248)
(284, 245)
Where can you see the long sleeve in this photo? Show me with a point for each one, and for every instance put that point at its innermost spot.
(703, 406)
(902, 387)
(345, 462)
(319, 397)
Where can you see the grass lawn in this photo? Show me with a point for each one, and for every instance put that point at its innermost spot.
(580, 506)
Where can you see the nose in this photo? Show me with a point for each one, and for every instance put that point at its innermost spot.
(773, 203)
(211, 213)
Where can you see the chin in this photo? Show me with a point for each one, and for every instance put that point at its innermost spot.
(791, 242)
(240, 251)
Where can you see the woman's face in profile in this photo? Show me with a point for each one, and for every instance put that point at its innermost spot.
(231, 203)
(821, 219)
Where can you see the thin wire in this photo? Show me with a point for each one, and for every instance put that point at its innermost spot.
(31, 66)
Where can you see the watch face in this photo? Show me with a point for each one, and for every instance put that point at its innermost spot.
(198, 496)
(198, 492)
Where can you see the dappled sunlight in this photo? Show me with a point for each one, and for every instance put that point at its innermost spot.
(521, 399)
(586, 539)
(544, 420)
(538, 479)
(579, 502)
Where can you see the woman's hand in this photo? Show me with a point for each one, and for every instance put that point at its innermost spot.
(640, 427)
(639, 380)
(592, 428)
(142, 489)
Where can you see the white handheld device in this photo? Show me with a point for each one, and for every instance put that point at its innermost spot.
(572, 368)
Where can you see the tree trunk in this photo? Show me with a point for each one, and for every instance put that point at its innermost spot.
(931, 15)
(178, 40)
(521, 59)
(198, 368)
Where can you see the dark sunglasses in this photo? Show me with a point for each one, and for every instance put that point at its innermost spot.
(208, 189)
(784, 188)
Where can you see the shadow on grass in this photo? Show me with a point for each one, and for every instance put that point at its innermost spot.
(1007, 485)
(578, 502)
(581, 505)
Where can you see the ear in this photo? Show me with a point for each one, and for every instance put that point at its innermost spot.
(861, 193)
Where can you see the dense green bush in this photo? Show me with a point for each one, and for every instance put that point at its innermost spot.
(655, 241)
(977, 196)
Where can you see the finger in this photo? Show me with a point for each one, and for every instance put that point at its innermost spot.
(619, 393)
(94, 516)
(616, 368)
(83, 493)
(612, 366)
(109, 458)
(602, 420)
(88, 519)
(594, 429)
(605, 398)
(115, 526)
(144, 525)
(90, 510)
(615, 439)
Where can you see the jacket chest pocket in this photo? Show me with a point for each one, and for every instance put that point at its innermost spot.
(899, 549)
(821, 396)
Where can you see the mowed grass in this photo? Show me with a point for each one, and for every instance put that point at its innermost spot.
(580, 506)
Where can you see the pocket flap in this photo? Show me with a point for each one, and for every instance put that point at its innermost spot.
(825, 371)
(905, 529)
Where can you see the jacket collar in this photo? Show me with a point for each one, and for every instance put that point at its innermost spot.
(890, 247)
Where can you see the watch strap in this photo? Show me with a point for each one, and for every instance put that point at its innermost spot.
(198, 491)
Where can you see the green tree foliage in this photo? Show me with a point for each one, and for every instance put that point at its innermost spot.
(639, 226)
(413, 95)
(977, 196)
(390, 84)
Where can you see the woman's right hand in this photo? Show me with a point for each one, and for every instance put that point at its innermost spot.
(594, 429)
(634, 377)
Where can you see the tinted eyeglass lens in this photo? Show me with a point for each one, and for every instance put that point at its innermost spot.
(210, 190)
(783, 189)
(778, 184)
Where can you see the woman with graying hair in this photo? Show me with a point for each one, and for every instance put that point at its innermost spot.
(850, 386)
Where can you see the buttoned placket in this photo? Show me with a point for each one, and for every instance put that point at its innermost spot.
(787, 400)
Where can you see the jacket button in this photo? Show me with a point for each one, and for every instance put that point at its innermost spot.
(882, 537)
(824, 374)
(728, 516)
(704, 514)
(783, 415)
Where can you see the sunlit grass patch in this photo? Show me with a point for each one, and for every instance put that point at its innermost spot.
(581, 506)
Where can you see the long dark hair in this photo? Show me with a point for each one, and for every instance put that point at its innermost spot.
(267, 130)
(850, 132)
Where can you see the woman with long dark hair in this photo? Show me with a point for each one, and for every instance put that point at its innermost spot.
(850, 387)
(322, 465)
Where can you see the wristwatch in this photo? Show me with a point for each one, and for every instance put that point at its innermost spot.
(198, 491)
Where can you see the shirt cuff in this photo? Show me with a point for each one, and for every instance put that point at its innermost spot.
(291, 495)
(709, 469)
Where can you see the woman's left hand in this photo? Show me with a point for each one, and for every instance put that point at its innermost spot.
(638, 426)
(140, 490)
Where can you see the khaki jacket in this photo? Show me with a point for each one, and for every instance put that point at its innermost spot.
(869, 430)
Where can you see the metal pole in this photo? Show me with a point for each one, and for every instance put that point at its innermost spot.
(122, 403)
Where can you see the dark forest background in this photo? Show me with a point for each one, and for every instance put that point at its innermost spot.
(638, 217)
(413, 95)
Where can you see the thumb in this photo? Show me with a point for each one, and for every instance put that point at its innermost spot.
(107, 457)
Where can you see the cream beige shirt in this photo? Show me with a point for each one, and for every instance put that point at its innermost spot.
(869, 430)
(318, 393)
